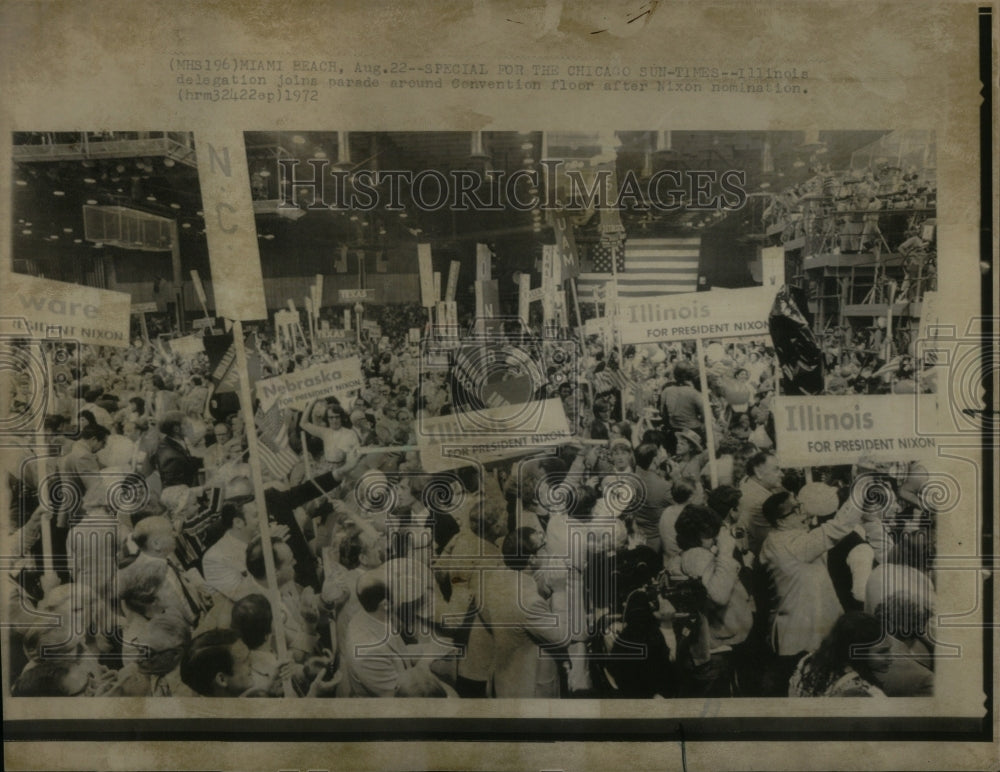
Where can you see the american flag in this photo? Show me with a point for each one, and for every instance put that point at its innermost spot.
(608, 380)
(645, 267)
(275, 454)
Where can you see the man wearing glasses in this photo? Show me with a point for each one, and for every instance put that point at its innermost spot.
(805, 604)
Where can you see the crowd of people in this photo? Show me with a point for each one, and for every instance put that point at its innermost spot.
(853, 210)
(887, 212)
(621, 562)
(855, 362)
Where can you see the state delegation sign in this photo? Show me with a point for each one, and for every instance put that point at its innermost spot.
(69, 311)
(690, 315)
(815, 431)
(493, 434)
(298, 389)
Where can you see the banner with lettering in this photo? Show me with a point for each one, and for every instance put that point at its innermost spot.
(187, 346)
(296, 390)
(426, 267)
(565, 247)
(68, 311)
(840, 429)
(493, 434)
(720, 313)
(237, 277)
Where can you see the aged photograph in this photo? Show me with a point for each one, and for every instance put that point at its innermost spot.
(498, 385)
(506, 430)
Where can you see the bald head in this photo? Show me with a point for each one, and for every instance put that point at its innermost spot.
(155, 536)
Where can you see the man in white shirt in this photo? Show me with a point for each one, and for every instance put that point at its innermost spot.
(338, 440)
(224, 564)
(120, 450)
(795, 557)
(377, 657)
(225, 449)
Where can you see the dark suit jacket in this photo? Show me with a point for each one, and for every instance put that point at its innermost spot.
(176, 465)
(655, 497)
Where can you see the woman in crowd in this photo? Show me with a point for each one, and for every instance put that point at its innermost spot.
(848, 663)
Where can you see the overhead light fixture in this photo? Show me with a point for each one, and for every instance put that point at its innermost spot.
(21, 183)
(58, 192)
(291, 213)
(77, 241)
(26, 231)
(67, 230)
(92, 201)
(175, 206)
(168, 162)
(89, 180)
(298, 139)
(185, 225)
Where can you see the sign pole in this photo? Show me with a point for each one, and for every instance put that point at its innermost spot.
(48, 565)
(306, 460)
(199, 290)
(310, 322)
(713, 470)
(246, 405)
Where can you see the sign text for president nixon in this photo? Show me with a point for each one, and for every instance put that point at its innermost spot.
(714, 314)
(840, 429)
(71, 311)
(296, 390)
(492, 434)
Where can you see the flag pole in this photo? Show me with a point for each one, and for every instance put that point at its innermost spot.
(246, 405)
(42, 457)
(576, 308)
